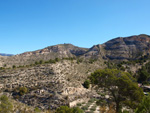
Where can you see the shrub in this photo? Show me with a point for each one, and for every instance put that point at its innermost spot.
(13, 66)
(86, 84)
(37, 110)
(5, 105)
(84, 108)
(57, 59)
(77, 110)
(23, 90)
(41, 61)
(66, 109)
(79, 104)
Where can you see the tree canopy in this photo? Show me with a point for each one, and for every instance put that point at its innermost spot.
(144, 106)
(144, 74)
(121, 85)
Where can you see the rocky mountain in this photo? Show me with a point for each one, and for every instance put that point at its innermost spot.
(127, 48)
(121, 48)
(51, 52)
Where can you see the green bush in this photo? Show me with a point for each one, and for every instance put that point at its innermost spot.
(77, 110)
(84, 108)
(37, 110)
(13, 66)
(41, 62)
(79, 104)
(86, 84)
(5, 105)
(57, 59)
(66, 109)
(52, 61)
(144, 106)
(23, 90)
(93, 108)
(92, 100)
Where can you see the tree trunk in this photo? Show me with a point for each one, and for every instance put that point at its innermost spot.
(117, 107)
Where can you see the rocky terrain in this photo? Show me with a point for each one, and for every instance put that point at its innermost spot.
(49, 85)
(131, 47)
(54, 75)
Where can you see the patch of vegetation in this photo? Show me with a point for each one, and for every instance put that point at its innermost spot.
(93, 108)
(79, 104)
(20, 91)
(66, 109)
(5, 105)
(92, 100)
(91, 61)
(86, 84)
(37, 110)
(144, 106)
(79, 60)
(13, 66)
(121, 86)
(143, 74)
(23, 90)
(84, 108)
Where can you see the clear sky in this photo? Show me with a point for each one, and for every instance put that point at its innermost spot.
(27, 25)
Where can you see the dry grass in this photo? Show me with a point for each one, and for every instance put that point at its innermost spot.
(103, 109)
(111, 109)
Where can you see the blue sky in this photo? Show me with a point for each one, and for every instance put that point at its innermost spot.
(27, 25)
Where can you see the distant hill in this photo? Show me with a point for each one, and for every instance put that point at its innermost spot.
(4, 54)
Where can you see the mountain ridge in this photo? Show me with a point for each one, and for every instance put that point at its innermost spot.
(121, 48)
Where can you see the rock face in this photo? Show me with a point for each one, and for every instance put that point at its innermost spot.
(127, 48)
(121, 48)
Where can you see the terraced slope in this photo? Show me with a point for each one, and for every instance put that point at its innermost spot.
(49, 85)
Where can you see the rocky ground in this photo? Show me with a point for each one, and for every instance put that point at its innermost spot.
(49, 85)
(90, 106)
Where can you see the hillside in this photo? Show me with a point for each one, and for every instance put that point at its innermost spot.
(122, 48)
(51, 52)
(49, 83)
(54, 75)
(128, 48)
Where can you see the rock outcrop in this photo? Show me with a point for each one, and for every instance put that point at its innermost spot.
(127, 48)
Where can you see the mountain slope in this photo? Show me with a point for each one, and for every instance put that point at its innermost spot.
(127, 48)
(51, 84)
(122, 48)
(51, 52)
